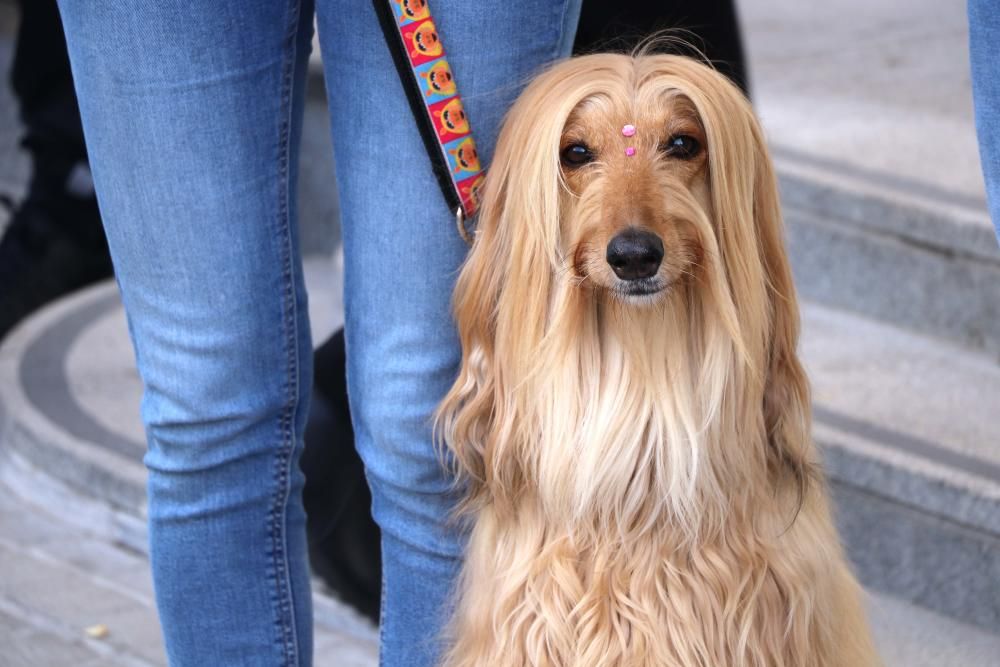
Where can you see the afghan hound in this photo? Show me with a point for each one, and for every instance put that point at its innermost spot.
(631, 421)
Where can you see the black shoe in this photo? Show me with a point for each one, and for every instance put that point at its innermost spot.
(53, 244)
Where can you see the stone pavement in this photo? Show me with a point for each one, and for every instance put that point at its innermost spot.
(867, 107)
(64, 574)
(875, 91)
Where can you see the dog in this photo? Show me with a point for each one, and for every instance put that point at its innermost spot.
(631, 422)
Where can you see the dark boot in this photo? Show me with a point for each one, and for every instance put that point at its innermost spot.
(53, 245)
(53, 242)
(344, 540)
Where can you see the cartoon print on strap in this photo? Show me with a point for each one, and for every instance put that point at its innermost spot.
(433, 74)
(463, 156)
(411, 10)
(449, 119)
(438, 82)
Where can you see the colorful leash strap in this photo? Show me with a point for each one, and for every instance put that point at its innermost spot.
(433, 95)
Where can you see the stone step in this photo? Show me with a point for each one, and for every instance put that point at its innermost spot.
(910, 430)
(927, 261)
(907, 635)
(880, 179)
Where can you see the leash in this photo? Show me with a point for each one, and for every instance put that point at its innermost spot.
(419, 56)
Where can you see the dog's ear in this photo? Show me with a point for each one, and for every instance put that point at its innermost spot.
(751, 249)
(786, 388)
(786, 398)
(502, 294)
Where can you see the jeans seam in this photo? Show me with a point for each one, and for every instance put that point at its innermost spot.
(557, 50)
(285, 621)
(381, 625)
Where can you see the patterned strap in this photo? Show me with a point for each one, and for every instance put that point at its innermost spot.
(433, 95)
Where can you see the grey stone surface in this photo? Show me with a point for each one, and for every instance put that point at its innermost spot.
(906, 416)
(918, 385)
(319, 210)
(868, 110)
(886, 206)
(66, 568)
(909, 430)
(941, 291)
(907, 635)
(933, 562)
(875, 86)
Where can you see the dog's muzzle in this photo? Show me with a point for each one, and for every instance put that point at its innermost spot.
(635, 254)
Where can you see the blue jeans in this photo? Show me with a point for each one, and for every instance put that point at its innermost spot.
(984, 49)
(192, 112)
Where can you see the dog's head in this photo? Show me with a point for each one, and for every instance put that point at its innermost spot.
(637, 175)
(627, 192)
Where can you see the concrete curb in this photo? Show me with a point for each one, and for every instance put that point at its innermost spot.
(886, 248)
(85, 467)
(908, 432)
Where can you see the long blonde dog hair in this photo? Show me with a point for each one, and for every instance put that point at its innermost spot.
(641, 477)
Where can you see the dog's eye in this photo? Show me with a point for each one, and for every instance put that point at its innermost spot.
(576, 155)
(682, 146)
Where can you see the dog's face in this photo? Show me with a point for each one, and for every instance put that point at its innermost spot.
(631, 179)
(635, 179)
(629, 229)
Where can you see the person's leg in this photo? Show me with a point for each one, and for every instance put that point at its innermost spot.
(402, 253)
(984, 45)
(41, 80)
(192, 114)
(710, 25)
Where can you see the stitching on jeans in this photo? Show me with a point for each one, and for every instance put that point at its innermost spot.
(561, 32)
(381, 625)
(285, 621)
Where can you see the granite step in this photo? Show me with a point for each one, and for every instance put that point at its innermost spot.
(868, 111)
(910, 430)
(883, 250)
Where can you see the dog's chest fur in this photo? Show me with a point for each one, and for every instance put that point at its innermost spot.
(541, 597)
(644, 533)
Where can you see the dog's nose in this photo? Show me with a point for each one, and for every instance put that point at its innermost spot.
(635, 254)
